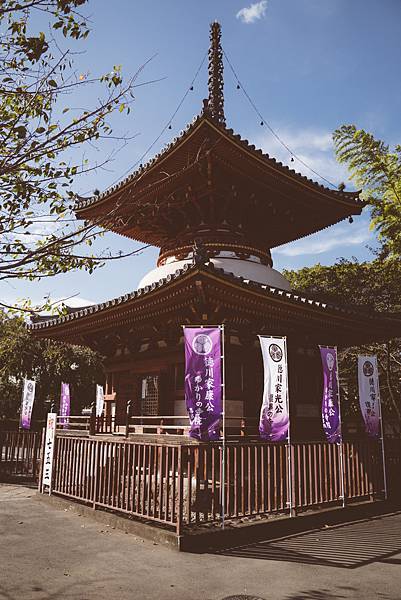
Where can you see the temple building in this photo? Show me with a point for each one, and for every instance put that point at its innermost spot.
(215, 206)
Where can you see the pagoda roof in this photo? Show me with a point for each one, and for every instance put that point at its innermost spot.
(210, 178)
(313, 205)
(142, 176)
(243, 302)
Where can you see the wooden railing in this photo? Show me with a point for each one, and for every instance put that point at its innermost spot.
(20, 453)
(135, 478)
(74, 423)
(169, 424)
(150, 425)
(181, 485)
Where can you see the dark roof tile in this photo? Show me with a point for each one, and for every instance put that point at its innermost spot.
(290, 296)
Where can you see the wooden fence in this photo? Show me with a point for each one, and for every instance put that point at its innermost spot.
(393, 466)
(182, 486)
(20, 454)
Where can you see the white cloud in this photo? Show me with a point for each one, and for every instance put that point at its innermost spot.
(252, 13)
(314, 147)
(339, 236)
(71, 302)
(76, 302)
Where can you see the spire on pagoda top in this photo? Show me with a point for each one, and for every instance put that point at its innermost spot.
(216, 82)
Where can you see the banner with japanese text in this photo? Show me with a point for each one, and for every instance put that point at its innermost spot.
(331, 395)
(99, 400)
(369, 394)
(65, 404)
(28, 398)
(274, 415)
(49, 449)
(203, 389)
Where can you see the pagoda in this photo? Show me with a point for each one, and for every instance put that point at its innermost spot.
(215, 206)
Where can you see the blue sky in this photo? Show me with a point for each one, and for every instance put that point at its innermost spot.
(309, 66)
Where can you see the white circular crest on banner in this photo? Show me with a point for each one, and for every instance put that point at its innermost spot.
(30, 387)
(275, 352)
(202, 344)
(330, 361)
(368, 368)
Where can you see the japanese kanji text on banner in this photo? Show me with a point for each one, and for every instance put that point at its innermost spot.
(274, 414)
(369, 395)
(49, 449)
(65, 403)
(28, 397)
(203, 393)
(331, 397)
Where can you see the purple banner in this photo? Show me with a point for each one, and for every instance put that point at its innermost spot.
(203, 393)
(369, 394)
(331, 396)
(274, 414)
(28, 397)
(65, 403)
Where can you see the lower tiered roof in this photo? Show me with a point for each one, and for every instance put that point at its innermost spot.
(202, 294)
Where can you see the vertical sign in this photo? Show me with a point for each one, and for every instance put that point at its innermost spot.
(331, 396)
(65, 404)
(203, 390)
(274, 415)
(49, 450)
(28, 397)
(369, 394)
(99, 400)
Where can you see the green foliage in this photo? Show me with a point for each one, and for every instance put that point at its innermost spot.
(43, 141)
(49, 363)
(377, 170)
(371, 286)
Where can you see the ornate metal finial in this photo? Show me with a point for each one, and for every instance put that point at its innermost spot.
(216, 82)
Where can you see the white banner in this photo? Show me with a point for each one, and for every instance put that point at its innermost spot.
(99, 400)
(49, 449)
(28, 397)
(274, 414)
(369, 394)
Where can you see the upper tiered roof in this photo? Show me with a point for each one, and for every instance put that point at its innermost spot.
(210, 182)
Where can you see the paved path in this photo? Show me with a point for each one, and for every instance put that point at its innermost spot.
(51, 554)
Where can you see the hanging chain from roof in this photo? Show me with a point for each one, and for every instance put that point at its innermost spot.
(216, 82)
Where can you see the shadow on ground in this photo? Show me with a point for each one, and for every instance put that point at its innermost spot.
(347, 546)
(336, 593)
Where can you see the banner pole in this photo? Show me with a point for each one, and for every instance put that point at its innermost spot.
(382, 436)
(223, 466)
(22, 404)
(289, 459)
(341, 429)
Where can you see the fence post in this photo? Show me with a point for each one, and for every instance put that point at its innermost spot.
(37, 440)
(92, 420)
(180, 492)
(96, 477)
(372, 454)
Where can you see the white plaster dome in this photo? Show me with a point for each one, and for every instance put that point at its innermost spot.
(250, 268)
